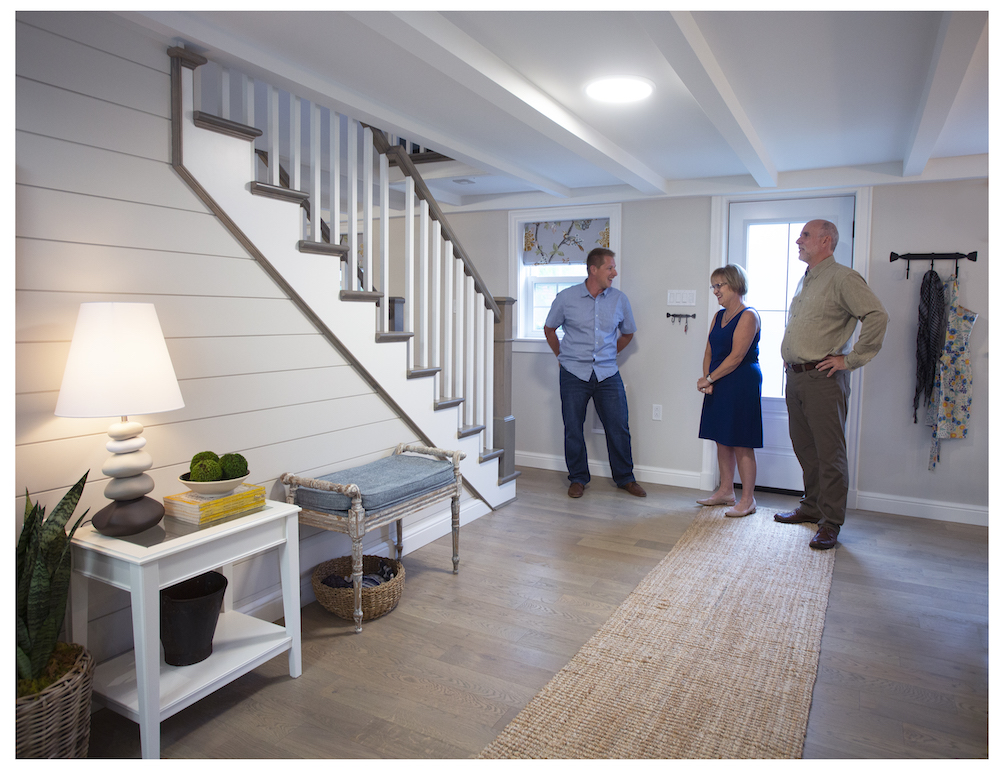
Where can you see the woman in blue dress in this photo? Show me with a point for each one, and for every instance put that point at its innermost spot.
(730, 413)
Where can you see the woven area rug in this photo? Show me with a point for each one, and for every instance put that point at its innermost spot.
(714, 655)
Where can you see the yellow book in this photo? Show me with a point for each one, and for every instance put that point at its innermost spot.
(194, 507)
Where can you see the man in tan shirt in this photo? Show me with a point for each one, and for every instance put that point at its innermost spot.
(830, 300)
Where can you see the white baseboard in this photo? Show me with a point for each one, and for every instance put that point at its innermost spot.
(651, 474)
(886, 504)
(963, 513)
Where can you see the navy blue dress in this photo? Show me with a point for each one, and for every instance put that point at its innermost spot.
(730, 415)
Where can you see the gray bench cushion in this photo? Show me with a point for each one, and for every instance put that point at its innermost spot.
(383, 483)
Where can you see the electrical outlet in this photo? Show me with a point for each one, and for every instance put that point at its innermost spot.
(657, 412)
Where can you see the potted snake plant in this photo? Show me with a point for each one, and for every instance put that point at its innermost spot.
(54, 679)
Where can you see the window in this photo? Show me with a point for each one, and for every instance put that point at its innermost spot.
(772, 258)
(548, 253)
(762, 236)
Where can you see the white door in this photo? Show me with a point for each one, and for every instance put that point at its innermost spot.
(762, 237)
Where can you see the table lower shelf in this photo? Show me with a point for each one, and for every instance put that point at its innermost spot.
(241, 644)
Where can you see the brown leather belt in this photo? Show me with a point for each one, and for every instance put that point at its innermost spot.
(802, 367)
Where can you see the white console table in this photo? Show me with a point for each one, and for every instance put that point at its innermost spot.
(139, 684)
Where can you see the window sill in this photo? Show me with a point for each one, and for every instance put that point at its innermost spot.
(530, 345)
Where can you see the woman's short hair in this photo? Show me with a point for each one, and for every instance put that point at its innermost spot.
(735, 276)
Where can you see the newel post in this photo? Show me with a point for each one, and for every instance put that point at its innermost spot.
(503, 417)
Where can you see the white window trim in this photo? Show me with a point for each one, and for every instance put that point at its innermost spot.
(516, 220)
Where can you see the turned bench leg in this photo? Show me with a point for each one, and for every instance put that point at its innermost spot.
(455, 508)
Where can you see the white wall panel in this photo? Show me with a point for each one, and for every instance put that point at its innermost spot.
(213, 357)
(100, 216)
(105, 31)
(52, 316)
(331, 432)
(73, 267)
(76, 168)
(82, 69)
(39, 365)
(43, 109)
(89, 220)
(203, 397)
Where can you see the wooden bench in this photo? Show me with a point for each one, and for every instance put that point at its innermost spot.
(360, 499)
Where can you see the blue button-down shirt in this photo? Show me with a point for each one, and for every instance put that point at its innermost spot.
(591, 326)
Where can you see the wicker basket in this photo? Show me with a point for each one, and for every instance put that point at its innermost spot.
(56, 722)
(375, 600)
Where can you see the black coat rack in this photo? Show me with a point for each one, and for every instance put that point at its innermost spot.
(954, 256)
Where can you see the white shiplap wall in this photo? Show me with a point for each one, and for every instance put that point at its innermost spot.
(101, 216)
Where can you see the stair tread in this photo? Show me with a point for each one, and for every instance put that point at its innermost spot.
(276, 191)
(392, 337)
(422, 372)
(321, 247)
(356, 295)
(225, 126)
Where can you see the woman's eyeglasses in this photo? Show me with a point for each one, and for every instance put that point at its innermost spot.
(717, 287)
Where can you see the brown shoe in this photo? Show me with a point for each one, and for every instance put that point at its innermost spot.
(794, 518)
(825, 538)
(576, 490)
(634, 488)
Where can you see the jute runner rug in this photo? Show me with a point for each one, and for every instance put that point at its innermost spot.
(714, 655)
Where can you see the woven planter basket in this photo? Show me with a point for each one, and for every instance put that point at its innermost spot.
(56, 722)
(375, 601)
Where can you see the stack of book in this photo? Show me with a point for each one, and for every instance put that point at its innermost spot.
(203, 509)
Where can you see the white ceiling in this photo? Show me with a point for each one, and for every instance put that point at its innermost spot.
(744, 101)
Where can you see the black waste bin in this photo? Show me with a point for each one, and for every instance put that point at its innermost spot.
(189, 612)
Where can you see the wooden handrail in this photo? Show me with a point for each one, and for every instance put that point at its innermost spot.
(399, 157)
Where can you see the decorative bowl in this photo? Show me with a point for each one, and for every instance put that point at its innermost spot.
(213, 489)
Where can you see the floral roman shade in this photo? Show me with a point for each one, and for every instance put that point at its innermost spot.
(565, 242)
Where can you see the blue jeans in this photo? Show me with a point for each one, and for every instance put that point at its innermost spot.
(612, 409)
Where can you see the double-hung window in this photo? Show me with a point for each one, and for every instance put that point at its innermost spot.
(549, 249)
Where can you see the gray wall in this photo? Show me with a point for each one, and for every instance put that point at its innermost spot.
(666, 244)
(942, 217)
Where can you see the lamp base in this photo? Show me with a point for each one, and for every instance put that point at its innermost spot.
(120, 518)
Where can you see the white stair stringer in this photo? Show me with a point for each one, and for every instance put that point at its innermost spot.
(221, 166)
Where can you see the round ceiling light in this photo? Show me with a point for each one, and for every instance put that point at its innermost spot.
(620, 90)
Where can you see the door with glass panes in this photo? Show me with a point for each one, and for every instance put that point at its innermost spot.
(762, 237)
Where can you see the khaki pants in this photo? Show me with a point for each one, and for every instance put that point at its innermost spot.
(817, 417)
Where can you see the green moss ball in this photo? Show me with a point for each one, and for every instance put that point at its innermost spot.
(206, 455)
(233, 465)
(206, 470)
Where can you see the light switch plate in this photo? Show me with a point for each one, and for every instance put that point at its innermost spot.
(681, 297)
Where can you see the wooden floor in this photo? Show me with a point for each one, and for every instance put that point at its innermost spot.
(902, 674)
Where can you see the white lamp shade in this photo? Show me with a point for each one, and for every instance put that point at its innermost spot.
(118, 364)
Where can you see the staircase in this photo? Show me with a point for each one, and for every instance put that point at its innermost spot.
(434, 367)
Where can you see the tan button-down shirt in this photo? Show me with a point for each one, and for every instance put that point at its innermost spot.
(829, 302)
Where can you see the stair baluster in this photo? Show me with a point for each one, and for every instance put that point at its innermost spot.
(452, 338)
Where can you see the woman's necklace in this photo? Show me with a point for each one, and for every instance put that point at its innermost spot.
(728, 315)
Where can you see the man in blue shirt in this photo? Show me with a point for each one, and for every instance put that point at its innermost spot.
(597, 323)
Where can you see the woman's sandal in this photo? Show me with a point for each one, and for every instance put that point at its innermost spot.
(716, 502)
(734, 512)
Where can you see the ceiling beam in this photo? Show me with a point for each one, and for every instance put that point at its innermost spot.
(685, 49)
(437, 42)
(958, 36)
